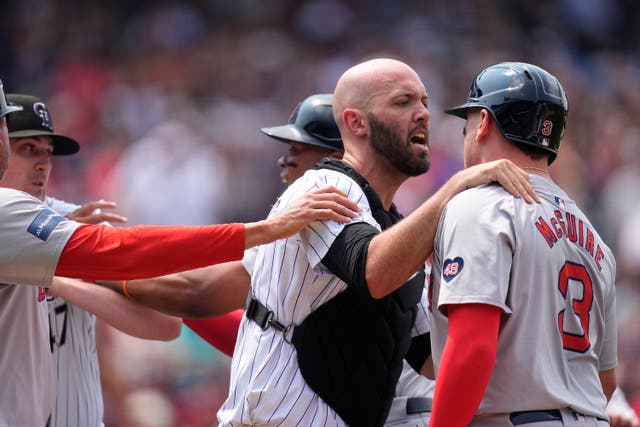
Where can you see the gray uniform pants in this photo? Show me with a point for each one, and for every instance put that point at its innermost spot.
(569, 418)
(409, 412)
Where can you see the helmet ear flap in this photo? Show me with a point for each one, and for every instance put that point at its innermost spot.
(527, 102)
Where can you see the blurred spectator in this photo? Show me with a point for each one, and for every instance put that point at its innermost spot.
(191, 82)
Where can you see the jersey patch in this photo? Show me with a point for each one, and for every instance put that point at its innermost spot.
(561, 202)
(44, 223)
(451, 268)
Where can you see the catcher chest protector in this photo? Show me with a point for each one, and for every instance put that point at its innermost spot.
(350, 349)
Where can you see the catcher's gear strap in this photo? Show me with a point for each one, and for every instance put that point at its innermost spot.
(350, 349)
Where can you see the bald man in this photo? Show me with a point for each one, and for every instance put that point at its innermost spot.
(331, 309)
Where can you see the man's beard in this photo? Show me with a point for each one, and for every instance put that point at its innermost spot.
(388, 143)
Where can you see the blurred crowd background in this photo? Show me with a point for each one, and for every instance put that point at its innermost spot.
(167, 98)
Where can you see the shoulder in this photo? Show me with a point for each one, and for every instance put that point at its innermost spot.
(315, 179)
(15, 202)
(474, 200)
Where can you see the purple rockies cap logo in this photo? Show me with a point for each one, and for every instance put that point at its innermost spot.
(41, 111)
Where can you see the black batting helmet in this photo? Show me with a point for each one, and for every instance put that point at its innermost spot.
(6, 107)
(311, 123)
(528, 104)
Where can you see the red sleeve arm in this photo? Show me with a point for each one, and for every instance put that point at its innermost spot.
(466, 365)
(113, 253)
(220, 332)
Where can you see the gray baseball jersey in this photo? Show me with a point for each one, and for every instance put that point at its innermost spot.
(266, 385)
(549, 271)
(78, 391)
(33, 237)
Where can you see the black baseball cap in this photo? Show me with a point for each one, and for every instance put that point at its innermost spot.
(35, 120)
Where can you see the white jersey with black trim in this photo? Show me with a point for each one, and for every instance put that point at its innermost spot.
(78, 391)
(266, 386)
(33, 237)
(553, 277)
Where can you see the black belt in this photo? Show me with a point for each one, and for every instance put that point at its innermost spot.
(416, 405)
(526, 417)
(260, 314)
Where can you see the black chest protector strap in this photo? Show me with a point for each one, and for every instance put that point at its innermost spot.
(350, 349)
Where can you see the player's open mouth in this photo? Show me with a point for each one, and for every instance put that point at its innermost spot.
(419, 138)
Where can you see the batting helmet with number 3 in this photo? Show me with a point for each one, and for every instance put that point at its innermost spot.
(528, 104)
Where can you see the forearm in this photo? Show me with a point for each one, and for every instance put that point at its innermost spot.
(608, 381)
(397, 253)
(204, 292)
(112, 253)
(220, 332)
(466, 365)
(119, 312)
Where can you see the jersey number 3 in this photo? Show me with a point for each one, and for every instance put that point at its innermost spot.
(581, 308)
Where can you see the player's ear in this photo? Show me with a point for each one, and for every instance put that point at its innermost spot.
(355, 122)
(485, 124)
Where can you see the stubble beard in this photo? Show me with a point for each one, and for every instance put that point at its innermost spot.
(387, 142)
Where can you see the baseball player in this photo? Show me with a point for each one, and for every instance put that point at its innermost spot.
(311, 134)
(331, 309)
(523, 298)
(78, 395)
(38, 243)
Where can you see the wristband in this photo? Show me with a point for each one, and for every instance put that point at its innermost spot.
(125, 292)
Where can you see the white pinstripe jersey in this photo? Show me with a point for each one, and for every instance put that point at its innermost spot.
(32, 239)
(78, 396)
(266, 386)
(548, 270)
(410, 383)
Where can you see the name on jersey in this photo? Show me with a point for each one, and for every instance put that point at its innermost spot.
(44, 223)
(567, 226)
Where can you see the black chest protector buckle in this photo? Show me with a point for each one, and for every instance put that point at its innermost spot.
(264, 317)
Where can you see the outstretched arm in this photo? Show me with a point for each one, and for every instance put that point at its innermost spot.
(397, 253)
(127, 316)
(324, 203)
(220, 332)
(204, 292)
(146, 251)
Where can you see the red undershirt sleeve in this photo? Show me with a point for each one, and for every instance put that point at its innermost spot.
(220, 332)
(114, 253)
(466, 364)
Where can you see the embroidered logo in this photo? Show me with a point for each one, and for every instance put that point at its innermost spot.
(560, 202)
(451, 268)
(41, 111)
(44, 223)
